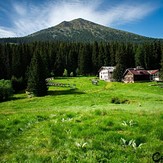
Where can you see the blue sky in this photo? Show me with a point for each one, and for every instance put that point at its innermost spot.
(23, 17)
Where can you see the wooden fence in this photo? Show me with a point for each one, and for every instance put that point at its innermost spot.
(73, 86)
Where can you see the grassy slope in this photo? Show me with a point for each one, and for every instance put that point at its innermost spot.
(83, 125)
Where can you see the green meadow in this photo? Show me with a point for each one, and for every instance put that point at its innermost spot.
(108, 122)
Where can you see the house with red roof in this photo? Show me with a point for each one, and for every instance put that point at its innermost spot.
(132, 75)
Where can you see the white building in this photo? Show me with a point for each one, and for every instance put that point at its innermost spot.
(154, 75)
(106, 73)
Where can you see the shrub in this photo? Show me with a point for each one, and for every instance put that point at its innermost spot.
(71, 74)
(6, 90)
(115, 100)
(65, 73)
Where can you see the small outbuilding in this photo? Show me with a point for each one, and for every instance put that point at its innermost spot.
(106, 73)
(132, 75)
(154, 75)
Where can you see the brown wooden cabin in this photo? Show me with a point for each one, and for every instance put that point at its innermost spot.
(133, 75)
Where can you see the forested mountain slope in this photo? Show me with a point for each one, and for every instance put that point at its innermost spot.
(80, 30)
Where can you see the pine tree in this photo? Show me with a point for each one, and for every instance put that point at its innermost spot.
(121, 65)
(130, 56)
(118, 72)
(161, 70)
(60, 63)
(84, 60)
(6, 59)
(95, 52)
(101, 55)
(72, 63)
(112, 50)
(2, 65)
(17, 65)
(36, 76)
(157, 55)
(139, 57)
(106, 54)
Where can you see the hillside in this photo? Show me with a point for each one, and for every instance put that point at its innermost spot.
(80, 30)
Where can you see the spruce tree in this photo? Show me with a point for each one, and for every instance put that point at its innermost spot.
(60, 63)
(72, 60)
(118, 72)
(121, 63)
(36, 76)
(106, 54)
(84, 60)
(157, 55)
(112, 49)
(161, 70)
(101, 55)
(95, 51)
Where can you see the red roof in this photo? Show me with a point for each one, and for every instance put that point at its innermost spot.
(136, 71)
(139, 72)
(152, 71)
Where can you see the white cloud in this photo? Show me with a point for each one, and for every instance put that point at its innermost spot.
(6, 33)
(69, 11)
(29, 18)
(20, 9)
(127, 13)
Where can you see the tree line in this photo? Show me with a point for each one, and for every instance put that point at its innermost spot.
(17, 60)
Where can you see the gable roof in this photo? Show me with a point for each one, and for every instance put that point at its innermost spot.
(108, 68)
(153, 71)
(136, 72)
(139, 72)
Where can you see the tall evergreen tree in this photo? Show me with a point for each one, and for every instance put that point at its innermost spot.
(161, 70)
(60, 63)
(113, 48)
(106, 54)
(17, 65)
(130, 55)
(85, 60)
(101, 55)
(1, 64)
(146, 55)
(118, 72)
(72, 63)
(139, 59)
(95, 52)
(157, 55)
(36, 76)
(121, 60)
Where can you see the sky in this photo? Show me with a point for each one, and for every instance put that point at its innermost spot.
(23, 17)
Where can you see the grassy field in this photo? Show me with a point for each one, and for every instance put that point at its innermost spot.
(110, 122)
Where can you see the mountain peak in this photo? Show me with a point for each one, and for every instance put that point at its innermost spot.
(81, 30)
(76, 24)
(80, 20)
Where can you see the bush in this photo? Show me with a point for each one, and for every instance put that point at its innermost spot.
(71, 74)
(115, 100)
(6, 90)
(65, 73)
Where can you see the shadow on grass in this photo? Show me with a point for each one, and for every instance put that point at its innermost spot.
(17, 98)
(65, 92)
(13, 99)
